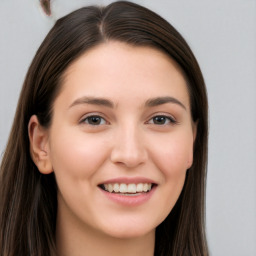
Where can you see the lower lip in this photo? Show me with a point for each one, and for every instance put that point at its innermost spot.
(132, 200)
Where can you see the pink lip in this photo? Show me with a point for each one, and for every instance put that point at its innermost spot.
(128, 200)
(137, 200)
(129, 180)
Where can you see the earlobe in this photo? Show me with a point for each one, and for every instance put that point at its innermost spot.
(39, 145)
(194, 130)
(190, 162)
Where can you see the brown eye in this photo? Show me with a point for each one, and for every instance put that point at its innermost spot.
(162, 120)
(159, 120)
(94, 120)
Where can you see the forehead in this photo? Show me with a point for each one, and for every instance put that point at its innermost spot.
(116, 69)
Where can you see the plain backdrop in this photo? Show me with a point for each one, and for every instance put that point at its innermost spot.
(222, 34)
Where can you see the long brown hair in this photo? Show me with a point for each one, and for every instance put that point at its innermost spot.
(28, 202)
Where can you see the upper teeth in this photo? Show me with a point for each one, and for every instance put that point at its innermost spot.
(127, 188)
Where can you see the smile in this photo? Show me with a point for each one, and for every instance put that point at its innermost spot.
(128, 192)
(129, 189)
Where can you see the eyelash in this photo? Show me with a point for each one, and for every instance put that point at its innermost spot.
(86, 120)
(169, 119)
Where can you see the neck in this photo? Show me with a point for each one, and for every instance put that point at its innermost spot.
(80, 240)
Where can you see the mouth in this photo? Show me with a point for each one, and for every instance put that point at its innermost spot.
(130, 189)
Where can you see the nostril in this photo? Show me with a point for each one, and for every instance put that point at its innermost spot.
(128, 157)
(129, 148)
(129, 161)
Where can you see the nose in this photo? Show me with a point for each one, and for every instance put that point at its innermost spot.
(129, 148)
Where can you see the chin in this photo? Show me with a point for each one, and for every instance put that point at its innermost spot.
(131, 234)
(129, 231)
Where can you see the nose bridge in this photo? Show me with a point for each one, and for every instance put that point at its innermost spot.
(129, 148)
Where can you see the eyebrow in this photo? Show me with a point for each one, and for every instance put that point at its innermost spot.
(93, 101)
(163, 100)
(107, 103)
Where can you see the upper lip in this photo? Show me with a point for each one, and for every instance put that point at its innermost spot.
(129, 180)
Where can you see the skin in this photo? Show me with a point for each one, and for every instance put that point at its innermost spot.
(126, 142)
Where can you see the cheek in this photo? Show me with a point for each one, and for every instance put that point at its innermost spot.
(174, 154)
(76, 154)
(172, 157)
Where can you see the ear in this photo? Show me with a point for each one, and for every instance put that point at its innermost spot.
(194, 133)
(39, 145)
(194, 129)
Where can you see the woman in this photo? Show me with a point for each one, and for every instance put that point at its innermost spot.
(108, 148)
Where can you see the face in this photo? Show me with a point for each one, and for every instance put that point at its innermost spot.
(121, 140)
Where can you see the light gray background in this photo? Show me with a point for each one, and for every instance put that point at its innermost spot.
(222, 34)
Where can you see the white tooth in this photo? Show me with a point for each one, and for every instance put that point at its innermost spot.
(110, 188)
(116, 187)
(145, 187)
(149, 186)
(139, 187)
(123, 188)
(131, 188)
